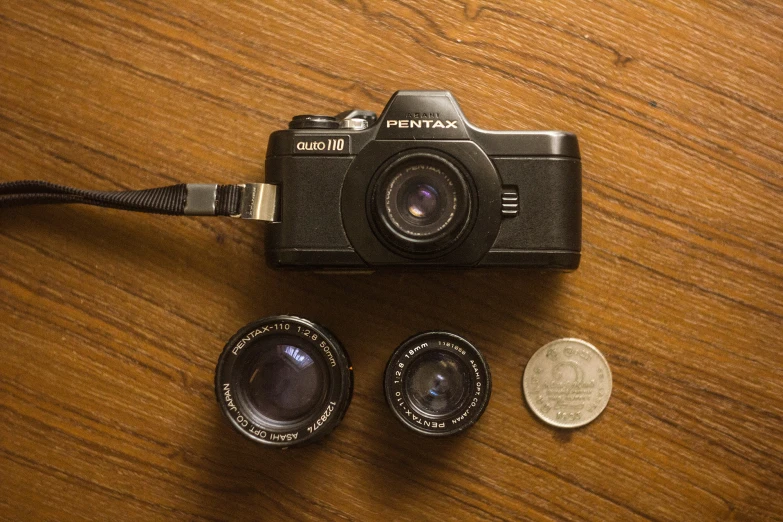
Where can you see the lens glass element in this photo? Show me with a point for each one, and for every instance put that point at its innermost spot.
(437, 383)
(422, 201)
(284, 383)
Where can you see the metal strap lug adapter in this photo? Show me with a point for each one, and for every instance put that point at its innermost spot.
(258, 202)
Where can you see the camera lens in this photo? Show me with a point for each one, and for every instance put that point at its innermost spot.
(283, 381)
(421, 202)
(437, 383)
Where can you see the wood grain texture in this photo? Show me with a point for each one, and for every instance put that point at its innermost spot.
(112, 322)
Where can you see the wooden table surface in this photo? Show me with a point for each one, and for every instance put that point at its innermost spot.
(112, 322)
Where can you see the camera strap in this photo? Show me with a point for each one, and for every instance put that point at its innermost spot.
(256, 201)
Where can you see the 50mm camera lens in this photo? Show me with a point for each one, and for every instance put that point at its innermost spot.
(283, 381)
(437, 383)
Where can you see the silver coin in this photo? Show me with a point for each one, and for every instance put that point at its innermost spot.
(567, 383)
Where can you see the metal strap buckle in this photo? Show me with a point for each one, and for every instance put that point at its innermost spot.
(258, 202)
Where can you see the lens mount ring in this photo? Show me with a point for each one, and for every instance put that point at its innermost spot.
(292, 344)
(417, 354)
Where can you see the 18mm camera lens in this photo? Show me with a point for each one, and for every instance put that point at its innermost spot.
(283, 381)
(437, 383)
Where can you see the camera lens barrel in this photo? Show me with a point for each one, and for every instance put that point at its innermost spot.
(437, 383)
(421, 203)
(283, 381)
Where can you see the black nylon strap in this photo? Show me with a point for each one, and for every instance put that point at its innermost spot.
(229, 199)
(164, 200)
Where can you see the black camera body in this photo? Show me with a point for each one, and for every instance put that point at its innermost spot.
(420, 186)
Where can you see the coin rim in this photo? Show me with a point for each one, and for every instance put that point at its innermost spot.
(538, 413)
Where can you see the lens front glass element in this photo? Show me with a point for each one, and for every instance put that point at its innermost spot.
(422, 201)
(437, 383)
(284, 381)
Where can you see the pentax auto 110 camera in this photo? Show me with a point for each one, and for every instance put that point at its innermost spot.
(421, 186)
(417, 187)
